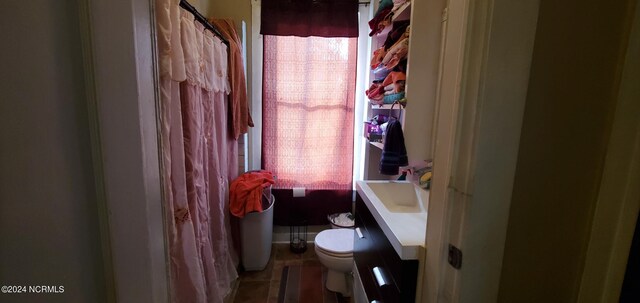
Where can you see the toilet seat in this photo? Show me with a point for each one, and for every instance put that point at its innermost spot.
(336, 242)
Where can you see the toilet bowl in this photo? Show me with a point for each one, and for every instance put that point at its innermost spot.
(334, 248)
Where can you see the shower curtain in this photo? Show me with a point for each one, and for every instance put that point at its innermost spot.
(198, 156)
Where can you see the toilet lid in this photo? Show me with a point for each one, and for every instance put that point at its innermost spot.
(338, 241)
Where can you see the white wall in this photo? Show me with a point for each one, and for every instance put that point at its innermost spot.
(124, 67)
(49, 232)
(571, 101)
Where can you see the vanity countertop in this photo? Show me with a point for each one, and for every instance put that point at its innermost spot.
(403, 223)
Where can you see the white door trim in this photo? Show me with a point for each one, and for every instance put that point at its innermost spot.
(122, 62)
(448, 98)
(618, 201)
(487, 56)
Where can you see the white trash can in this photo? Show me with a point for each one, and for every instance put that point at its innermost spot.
(256, 232)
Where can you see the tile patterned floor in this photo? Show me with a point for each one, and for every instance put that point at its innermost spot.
(263, 286)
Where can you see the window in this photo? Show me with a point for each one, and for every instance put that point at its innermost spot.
(308, 111)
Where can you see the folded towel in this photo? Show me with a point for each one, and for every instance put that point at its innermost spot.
(395, 87)
(397, 32)
(380, 72)
(390, 88)
(398, 50)
(380, 20)
(394, 152)
(375, 92)
(377, 57)
(392, 98)
(245, 194)
(394, 77)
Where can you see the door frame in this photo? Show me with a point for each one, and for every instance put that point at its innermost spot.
(120, 64)
(618, 203)
(485, 64)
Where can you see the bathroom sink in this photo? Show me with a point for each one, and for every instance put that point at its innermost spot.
(400, 209)
(399, 197)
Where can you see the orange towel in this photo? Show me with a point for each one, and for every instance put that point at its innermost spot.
(239, 112)
(245, 195)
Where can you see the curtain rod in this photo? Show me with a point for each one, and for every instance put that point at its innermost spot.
(200, 18)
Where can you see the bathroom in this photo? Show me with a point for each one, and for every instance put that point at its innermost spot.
(518, 172)
(300, 202)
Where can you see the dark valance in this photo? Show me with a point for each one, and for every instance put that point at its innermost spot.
(304, 18)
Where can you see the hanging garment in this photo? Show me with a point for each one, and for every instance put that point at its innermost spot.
(240, 119)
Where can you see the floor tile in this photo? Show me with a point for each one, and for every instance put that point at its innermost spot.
(252, 292)
(276, 273)
(312, 263)
(284, 253)
(310, 254)
(262, 275)
(264, 286)
(274, 290)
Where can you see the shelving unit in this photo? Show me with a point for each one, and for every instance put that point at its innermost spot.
(374, 149)
(379, 145)
(403, 13)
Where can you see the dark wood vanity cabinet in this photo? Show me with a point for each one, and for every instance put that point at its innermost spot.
(374, 255)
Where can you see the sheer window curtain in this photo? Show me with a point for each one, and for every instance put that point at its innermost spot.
(308, 83)
(308, 116)
(308, 111)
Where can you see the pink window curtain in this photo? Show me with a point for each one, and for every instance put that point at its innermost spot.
(308, 116)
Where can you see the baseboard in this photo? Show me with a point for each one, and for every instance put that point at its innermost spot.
(281, 233)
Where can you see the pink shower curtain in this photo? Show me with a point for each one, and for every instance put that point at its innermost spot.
(198, 156)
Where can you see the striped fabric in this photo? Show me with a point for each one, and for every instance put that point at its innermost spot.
(306, 284)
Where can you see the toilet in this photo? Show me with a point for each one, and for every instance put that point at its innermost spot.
(334, 248)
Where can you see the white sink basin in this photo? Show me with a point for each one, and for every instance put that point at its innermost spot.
(400, 208)
(399, 197)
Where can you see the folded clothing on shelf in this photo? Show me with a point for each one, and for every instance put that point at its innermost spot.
(375, 91)
(394, 88)
(396, 53)
(398, 3)
(377, 57)
(394, 77)
(390, 88)
(398, 30)
(380, 20)
(392, 98)
(381, 72)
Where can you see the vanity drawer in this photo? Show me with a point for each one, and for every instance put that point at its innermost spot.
(364, 255)
(374, 250)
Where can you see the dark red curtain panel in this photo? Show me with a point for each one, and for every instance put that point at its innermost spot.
(304, 18)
